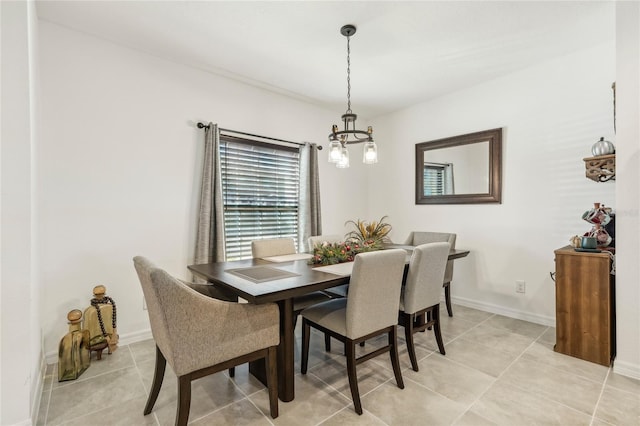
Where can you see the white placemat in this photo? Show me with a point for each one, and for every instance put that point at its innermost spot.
(260, 274)
(343, 269)
(288, 257)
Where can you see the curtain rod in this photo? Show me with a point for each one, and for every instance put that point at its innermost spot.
(201, 125)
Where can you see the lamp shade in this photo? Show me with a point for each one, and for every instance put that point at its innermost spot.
(344, 159)
(370, 153)
(335, 151)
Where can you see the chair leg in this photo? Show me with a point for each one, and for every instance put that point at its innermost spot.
(304, 357)
(447, 297)
(408, 335)
(393, 352)
(327, 343)
(158, 376)
(184, 400)
(436, 328)
(272, 380)
(350, 349)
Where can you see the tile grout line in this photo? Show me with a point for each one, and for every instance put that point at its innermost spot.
(604, 384)
(495, 380)
(542, 395)
(146, 391)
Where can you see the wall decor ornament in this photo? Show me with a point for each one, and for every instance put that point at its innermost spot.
(599, 216)
(73, 352)
(101, 322)
(602, 147)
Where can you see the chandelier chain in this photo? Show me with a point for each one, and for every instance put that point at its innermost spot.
(348, 75)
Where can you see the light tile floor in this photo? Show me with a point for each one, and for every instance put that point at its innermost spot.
(497, 371)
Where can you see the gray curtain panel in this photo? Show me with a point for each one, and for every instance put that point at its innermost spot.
(210, 233)
(309, 217)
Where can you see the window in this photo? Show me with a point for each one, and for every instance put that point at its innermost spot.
(438, 179)
(433, 182)
(260, 184)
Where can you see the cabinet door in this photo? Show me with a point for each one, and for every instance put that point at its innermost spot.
(583, 314)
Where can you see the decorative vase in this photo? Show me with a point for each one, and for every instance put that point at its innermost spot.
(602, 147)
(73, 352)
(100, 321)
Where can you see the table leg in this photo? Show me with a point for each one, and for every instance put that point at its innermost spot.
(286, 371)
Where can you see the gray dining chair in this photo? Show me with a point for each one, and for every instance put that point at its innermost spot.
(269, 247)
(421, 294)
(370, 310)
(417, 238)
(281, 246)
(198, 335)
(334, 292)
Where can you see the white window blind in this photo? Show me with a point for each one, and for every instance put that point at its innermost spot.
(260, 184)
(433, 180)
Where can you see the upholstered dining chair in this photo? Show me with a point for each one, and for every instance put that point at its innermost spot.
(417, 238)
(198, 335)
(334, 292)
(370, 310)
(272, 247)
(421, 294)
(281, 246)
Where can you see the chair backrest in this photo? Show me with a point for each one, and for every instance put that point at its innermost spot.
(424, 278)
(374, 291)
(312, 241)
(272, 247)
(418, 238)
(157, 319)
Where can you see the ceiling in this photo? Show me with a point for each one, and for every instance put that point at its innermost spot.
(404, 52)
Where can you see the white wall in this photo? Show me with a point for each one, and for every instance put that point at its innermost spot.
(551, 114)
(627, 192)
(120, 152)
(20, 346)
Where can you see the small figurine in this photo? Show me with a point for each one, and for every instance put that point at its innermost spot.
(100, 321)
(73, 353)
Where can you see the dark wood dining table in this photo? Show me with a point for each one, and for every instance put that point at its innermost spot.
(301, 278)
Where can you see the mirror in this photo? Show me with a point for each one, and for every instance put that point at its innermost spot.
(465, 169)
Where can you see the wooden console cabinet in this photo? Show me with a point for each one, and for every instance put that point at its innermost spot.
(585, 305)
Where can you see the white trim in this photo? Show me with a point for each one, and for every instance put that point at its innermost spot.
(38, 388)
(26, 422)
(627, 369)
(125, 339)
(507, 312)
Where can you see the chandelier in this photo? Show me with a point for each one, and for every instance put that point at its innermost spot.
(339, 139)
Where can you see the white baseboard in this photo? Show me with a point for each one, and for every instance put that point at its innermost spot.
(37, 388)
(24, 423)
(125, 339)
(626, 369)
(507, 312)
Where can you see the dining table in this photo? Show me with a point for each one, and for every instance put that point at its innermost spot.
(280, 279)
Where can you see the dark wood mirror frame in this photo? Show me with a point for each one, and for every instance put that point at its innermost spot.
(494, 137)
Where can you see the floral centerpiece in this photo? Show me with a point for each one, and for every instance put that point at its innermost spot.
(369, 232)
(366, 237)
(332, 253)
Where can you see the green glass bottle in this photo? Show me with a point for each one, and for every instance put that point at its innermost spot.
(73, 353)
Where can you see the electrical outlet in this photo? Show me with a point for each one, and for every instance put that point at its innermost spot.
(520, 286)
(144, 304)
